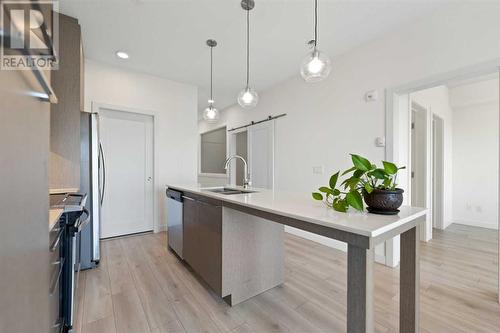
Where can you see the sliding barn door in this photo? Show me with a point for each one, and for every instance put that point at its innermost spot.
(261, 154)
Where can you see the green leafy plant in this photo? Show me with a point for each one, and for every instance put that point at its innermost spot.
(365, 176)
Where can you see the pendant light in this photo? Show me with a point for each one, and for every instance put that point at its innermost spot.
(211, 114)
(248, 97)
(316, 66)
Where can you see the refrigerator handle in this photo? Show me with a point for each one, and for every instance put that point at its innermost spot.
(103, 173)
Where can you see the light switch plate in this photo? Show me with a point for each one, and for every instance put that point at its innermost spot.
(380, 141)
(318, 170)
(371, 96)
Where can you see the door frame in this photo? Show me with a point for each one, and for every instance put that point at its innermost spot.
(393, 107)
(231, 151)
(157, 192)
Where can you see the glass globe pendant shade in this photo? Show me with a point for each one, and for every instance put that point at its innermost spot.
(315, 67)
(248, 98)
(211, 114)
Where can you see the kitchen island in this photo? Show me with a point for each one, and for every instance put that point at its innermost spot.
(271, 210)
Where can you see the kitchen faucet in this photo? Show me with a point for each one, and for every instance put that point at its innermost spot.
(246, 179)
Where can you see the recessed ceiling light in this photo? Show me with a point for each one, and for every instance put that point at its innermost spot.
(122, 55)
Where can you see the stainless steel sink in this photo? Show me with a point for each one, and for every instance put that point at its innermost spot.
(227, 190)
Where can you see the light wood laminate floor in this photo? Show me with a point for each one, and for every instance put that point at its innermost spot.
(141, 287)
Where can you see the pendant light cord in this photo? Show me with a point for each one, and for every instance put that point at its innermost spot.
(211, 73)
(248, 47)
(315, 24)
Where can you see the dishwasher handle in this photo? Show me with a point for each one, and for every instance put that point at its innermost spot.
(174, 195)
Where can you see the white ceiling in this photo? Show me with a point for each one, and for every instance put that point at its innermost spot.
(167, 37)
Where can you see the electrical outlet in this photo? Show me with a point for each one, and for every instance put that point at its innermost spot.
(318, 170)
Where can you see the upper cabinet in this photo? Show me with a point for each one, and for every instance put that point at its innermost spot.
(67, 83)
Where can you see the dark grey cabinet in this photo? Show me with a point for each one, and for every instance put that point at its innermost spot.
(67, 83)
(190, 233)
(203, 239)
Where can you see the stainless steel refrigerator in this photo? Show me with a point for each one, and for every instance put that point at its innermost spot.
(93, 182)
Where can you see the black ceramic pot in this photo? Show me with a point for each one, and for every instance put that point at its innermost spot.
(384, 202)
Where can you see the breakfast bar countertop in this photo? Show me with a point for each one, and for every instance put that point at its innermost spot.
(301, 206)
(360, 230)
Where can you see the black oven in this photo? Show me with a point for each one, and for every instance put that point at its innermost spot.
(57, 264)
(71, 250)
(72, 221)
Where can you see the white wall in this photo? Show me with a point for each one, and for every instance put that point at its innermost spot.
(328, 120)
(213, 181)
(438, 102)
(475, 157)
(174, 106)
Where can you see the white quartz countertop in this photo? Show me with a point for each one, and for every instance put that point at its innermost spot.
(301, 206)
(63, 190)
(54, 215)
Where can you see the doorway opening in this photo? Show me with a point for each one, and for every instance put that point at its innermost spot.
(241, 149)
(454, 128)
(447, 132)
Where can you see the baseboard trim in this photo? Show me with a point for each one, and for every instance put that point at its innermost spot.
(379, 258)
(475, 224)
(128, 235)
(160, 228)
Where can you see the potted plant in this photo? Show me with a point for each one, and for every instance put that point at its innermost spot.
(376, 185)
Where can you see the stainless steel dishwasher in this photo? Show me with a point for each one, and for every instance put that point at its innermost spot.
(174, 221)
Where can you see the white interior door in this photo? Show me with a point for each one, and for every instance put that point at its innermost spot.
(421, 164)
(127, 143)
(418, 159)
(260, 139)
(437, 172)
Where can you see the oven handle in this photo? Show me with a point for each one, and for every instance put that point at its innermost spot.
(55, 244)
(54, 282)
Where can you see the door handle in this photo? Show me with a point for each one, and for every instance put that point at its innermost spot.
(208, 204)
(101, 151)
